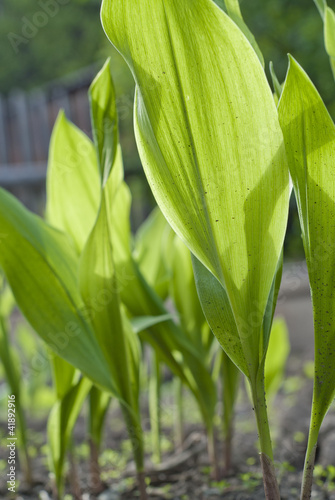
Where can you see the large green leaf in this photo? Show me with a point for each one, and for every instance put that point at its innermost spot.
(210, 143)
(41, 267)
(310, 144)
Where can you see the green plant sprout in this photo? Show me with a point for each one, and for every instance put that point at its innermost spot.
(11, 363)
(309, 135)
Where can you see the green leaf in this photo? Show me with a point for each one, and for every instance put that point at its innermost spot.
(219, 315)
(329, 34)
(9, 360)
(144, 322)
(64, 376)
(152, 238)
(104, 120)
(184, 294)
(98, 287)
(218, 171)
(310, 144)
(73, 188)
(62, 419)
(278, 351)
(321, 5)
(276, 85)
(44, 284)
(230, 381)
(234, 12)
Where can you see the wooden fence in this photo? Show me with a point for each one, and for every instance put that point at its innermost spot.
(26, 121)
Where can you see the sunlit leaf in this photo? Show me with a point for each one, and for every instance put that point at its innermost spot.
(210, 143)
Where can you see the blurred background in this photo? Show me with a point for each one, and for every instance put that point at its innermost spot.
(50, 51)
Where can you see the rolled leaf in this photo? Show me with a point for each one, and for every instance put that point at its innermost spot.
(104, 121)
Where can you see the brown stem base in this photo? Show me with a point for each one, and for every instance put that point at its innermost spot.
(74, 478)
(271, 487)
(142, 487)
(212, 453)
(96, 484)
(227, 454)
(306, 489)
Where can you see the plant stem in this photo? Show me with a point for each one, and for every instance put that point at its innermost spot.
(136, 437)
(26, 466)
(307, 481)
(96, 484)
(179, 417)
(154, 407)
(142, 486)
(212, 453)
(228, 439)
(266, 455)
(74, 479)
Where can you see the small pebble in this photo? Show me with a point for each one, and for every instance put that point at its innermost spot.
(109, 495)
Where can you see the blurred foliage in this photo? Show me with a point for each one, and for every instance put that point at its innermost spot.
(41, 40)
(70, 37)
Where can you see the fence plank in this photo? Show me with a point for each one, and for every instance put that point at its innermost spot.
(21, 140)
(60, 100)
(3, 138)
(40, 126)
